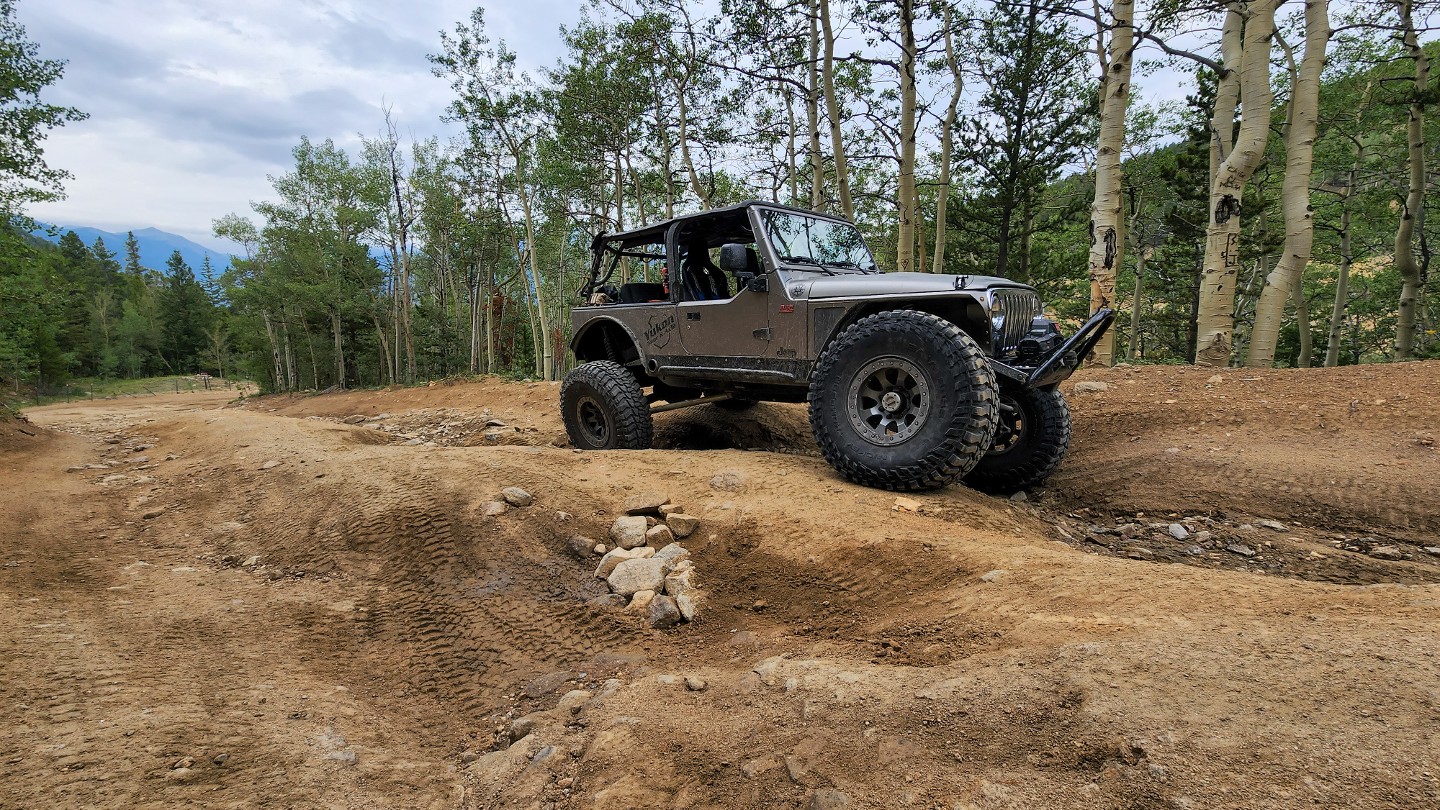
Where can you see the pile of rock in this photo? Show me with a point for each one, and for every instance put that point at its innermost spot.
(646, 566)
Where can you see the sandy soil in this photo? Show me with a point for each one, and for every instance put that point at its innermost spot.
(188, 623)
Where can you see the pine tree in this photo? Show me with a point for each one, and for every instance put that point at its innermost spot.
(187, 312)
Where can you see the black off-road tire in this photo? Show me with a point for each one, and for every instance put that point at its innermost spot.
(604, 408)
(735, 404)
(944, 441)
(1023, 458)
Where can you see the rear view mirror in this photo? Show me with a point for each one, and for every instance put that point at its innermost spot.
(736, 258)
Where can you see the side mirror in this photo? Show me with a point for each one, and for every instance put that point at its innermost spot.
(736, 258)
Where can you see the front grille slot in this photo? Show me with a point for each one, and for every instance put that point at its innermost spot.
(1019, 308)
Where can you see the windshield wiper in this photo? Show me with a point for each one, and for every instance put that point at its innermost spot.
(862, 270)
(809, 261)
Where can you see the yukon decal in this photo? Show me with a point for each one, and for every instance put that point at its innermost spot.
(660, 330)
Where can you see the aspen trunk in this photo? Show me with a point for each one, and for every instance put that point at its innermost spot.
(1284, 282)
(547, 367)
(1302, 319)
(1107, 234)
(947, 145)
(812, 109)
(339, 349)
(280, 382)
(1216, 318)
(832, 111)
(385, 378)
(1135, 303)
(793, 165)
(905, 195)
(1347, 256)
(1414, 209)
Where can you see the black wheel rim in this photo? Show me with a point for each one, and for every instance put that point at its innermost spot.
(593, 424)
(1011, 428)
(889, 401)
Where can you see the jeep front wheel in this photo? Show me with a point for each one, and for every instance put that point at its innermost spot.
(604, 408)
(1030, 441)
(903, 400)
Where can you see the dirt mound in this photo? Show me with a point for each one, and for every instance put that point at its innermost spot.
(16, 432)
(222, 603)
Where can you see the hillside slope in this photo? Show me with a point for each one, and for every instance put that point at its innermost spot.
(271, 600)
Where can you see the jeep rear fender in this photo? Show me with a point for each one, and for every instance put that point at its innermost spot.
(605, 339)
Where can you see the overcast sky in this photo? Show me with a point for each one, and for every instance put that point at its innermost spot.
(193, 102)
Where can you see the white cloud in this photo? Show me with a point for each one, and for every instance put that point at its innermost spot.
(194, 102)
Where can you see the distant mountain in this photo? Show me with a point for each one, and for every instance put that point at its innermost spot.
(155, 246)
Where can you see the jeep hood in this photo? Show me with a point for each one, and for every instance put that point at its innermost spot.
(851, 285)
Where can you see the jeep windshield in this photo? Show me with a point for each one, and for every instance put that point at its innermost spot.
(816, 243)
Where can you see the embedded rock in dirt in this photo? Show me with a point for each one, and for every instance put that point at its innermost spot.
(828, 799)
(1179, 532)
(663, 613)
(1241, 549)
(269, 465)
(1091, 387)
(629, 532)
(658, 536)
(681, 524)
(645, 504)
(695, 683)
(680, 584)
(688, 605)
(515, 496)
(582, 547)
(728, 481)
(616, 556)
(992, 576)
(354, 420)
(632, 576)
(1387, 553)
(495, 509)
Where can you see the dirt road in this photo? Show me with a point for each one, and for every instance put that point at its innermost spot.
(264, 606)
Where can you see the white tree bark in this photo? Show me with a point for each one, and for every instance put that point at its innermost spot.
(947, 144)
(1414, 209)
(905, 194)
(1304, 107)
(832, 111)
(1250, 54)
(1107, 233)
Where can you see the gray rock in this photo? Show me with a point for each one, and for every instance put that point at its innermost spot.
(829, 799)
(658, 536)
(573, 701)
(545, 684)
(1020, 497)
(680, 584)
(1273, 525)
(1387, 553)
(689, 605)
(521, 726)
(992, 576)
(628, 532)
(616, 556)
(633, 576)
(354, 420)
(641, 600)
(663, 613)
(728, 481)
(648, 503)
(467, 757)
(1091, 387)
(1241, 549)
(582, 547)
(1179, 532)
(668, 509)
(1139, 553)
(674, 552)
(151, 514)
(269, 465)
(414, 442)
(609, 600)
(515, 496)
(1194, 551)
(1432, 550)
(695, 683)
(682, 524)
(495, 509)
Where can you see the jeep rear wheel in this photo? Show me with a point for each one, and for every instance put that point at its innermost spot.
(1031, 440)
(903, 400)
(604, 408)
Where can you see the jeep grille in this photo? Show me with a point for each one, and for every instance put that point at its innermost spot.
(1010, 314)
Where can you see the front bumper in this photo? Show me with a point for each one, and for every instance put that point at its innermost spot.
(1059, 364)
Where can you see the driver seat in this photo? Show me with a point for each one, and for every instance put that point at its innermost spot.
(703, 281)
